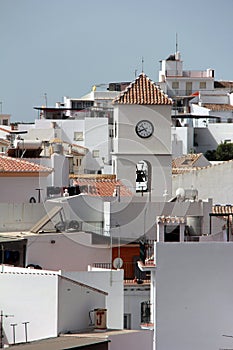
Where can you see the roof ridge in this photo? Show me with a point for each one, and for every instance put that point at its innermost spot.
(141, 91)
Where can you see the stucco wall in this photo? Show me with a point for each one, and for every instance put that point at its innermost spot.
(133, 297)
(75, 302)
(209, 138)
(31, 296)
(21, 189)
(160, 178)
(194, 306)
(127, 141)
(211, 182)
(69, 252)
(20, 216)
(136, 340)
(110, 282)
(135, 219)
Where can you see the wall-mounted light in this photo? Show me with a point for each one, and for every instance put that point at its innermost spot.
(52, 241)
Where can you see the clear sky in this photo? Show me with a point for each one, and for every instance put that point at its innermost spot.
(63, 47)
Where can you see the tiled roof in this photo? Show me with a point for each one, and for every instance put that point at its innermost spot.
(222, 209)
(185, 163)
(218, 106)
(143, 91)
(18, 166)
(103, 187)
(223, 84)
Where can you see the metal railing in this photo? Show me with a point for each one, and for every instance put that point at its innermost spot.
(145, 312)
(132, 273)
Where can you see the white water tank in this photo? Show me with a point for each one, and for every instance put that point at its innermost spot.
(100, 319)
(194, 225)
(27, 144)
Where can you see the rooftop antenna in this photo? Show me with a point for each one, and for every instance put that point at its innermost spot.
(176, 42)
(46, 99)
(176, 57)
(142, 64)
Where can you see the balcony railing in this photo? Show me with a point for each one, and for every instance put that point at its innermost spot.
(145, 312)
(132, 274)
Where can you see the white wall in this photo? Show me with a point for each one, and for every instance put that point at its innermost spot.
(182, 135)
(194, 306)
(133, 297)
(59, 177)
(82, 207)
(95, 136)
(31, 296)
(211, 182)
(127, 140)
(138, 218)
(70, 252)
(209, 138)
(160, 173)
(21, 189)
(136, 340)
(20, 216)
(75, 302)
(110, 282)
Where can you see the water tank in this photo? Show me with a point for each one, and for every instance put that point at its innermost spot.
(100, 319)
(180, 194)
(57, 148)
(27, 144)
(194, 225)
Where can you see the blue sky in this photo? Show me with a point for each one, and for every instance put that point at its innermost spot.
(63, 47)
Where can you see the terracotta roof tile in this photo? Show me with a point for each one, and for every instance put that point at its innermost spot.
(218, 106)
(105, 187)
(143, 91)
(185, 164)
(18, 165)
(222, 84)
(222, 209)
(187, 160)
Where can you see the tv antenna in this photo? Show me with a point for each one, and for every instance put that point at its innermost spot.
(142, 64)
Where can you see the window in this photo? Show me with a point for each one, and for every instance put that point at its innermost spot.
(127, 321)
(175, 85)
(95, 153)
(203, 85)
(78, 136)
(5, 122)
(115, 126)
(189, 87)
(78, 161)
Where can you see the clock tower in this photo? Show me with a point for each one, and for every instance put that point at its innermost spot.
(142, 139)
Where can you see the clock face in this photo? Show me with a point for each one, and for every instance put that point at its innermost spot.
(144, 129)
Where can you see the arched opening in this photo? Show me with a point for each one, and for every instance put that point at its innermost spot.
(143, 176)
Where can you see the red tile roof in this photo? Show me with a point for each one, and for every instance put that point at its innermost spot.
(223, 84)
(185, 163)
(218, 106)
(222, 209)
(101, 186)
(18, 167)
(143, 91)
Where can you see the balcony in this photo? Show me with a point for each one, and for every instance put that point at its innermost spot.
(132, 274)
(146, 315)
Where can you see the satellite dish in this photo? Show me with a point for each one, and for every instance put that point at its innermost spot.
(117, 263)
(180, 194)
